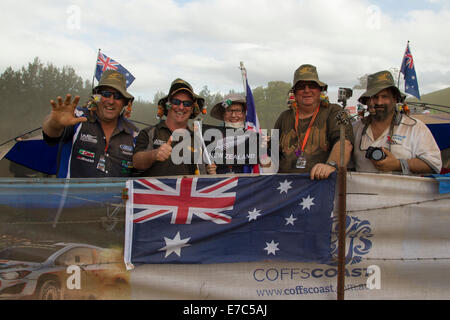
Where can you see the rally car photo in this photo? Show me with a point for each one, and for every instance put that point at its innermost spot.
(48, 272)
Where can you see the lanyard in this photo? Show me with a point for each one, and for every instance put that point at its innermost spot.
(309, 127)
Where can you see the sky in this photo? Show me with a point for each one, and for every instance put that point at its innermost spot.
(204, 41)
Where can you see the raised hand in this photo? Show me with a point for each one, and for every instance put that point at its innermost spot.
(62, 114)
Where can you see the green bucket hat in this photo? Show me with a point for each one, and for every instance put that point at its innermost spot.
(377, 82)
(308, 72)
(116, 80)
(182, 85)
(219, 108)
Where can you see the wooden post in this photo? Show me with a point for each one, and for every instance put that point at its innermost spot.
(342, 210)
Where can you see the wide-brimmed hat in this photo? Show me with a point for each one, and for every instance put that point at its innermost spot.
(307, 72)
(182, 85)
(116, 80)
(377, 82)
(219, 108)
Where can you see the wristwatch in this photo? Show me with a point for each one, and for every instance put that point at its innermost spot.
(333, 164)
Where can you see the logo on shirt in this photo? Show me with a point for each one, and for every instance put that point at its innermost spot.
(86, 153)
(395, 139)
(126, 149)
(88, 138)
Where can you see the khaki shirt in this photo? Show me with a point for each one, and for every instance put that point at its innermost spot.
(323, 136)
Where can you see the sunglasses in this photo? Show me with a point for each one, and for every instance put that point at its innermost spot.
(303, 85)
(177, 102)
(108, 94)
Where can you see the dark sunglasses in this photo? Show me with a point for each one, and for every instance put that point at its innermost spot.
(303, 85)
(107, 94)
(177, 102)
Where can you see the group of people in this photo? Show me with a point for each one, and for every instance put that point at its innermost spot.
(97, 140)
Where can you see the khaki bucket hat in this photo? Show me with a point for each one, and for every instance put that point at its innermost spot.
(219, 108)
(377, 82)
(116, 80)
(308, 72)
(182, 85)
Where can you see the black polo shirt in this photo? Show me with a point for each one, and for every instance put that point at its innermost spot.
(159, 135)
(83, 152)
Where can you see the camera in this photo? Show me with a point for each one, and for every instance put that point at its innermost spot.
(344, 94)
(375, 153)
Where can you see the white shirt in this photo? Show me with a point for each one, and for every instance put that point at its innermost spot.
(411, 138)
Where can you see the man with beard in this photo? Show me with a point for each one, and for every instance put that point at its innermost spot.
(387, 141)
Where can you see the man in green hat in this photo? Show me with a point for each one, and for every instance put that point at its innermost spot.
(96, 140)
(309, 131)
(387, 141)
(154, 145)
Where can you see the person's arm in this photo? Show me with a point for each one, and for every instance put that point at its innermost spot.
(142, 160)
(323, 170)
(391, 163)
(61, 116)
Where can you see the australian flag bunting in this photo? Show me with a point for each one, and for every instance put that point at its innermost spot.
(106, 63)
(409, 73)
(204, 220)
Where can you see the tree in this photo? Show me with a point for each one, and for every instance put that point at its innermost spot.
(25, 95)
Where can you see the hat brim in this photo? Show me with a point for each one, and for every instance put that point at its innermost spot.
(218, 110)
(323, 85)
(373, 91)
(200, 101)
(118, 88)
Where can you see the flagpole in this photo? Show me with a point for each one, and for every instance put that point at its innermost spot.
(400, 71)
(95, 70)
(244, 77)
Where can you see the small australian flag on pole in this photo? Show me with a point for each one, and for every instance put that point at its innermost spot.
(409, 73)
(106, 63)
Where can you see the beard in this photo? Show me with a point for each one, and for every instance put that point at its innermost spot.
(382, 112)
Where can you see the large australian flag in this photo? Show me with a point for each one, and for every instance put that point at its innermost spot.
(409, 73)
(106, 63)
(229, 219)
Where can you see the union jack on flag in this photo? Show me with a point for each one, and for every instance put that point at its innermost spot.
(106, 63)
(153, 199)
(232, 219)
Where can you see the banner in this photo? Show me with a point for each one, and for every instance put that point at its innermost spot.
(70, 245)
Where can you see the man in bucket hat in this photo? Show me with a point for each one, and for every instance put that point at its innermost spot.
(154, 144)
(387, 141)
(309, 131)
(96, 140)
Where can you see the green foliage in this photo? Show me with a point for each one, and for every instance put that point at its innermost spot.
(25, 95)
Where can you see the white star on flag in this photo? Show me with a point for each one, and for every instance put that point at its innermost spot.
(307, 203)
(252, 215)
(271, 247)
(290, 220)
(175, 245)
(284, 186)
